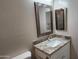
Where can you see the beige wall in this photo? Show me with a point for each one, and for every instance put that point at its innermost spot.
(73, 27)
(17, 26)
(72, 24)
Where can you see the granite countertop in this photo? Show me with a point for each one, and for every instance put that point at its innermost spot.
(48, 49)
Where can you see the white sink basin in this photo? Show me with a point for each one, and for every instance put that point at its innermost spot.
(53, 43)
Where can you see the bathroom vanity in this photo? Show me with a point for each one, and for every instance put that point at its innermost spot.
(55, 48)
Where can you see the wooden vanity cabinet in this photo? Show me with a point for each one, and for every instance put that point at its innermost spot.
(62, 53)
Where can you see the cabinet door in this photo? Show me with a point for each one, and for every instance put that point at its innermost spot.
(40, 55)
(66, 52)
(63, 53)
(61, 56)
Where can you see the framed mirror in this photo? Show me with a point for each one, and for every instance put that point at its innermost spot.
(61, 19)
(44, 23)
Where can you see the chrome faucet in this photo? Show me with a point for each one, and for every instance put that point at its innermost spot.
(49, 37)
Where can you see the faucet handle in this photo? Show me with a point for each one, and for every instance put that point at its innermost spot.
(49, 36)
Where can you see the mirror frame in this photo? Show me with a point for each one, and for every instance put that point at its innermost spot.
(39, 34)
(64, 19)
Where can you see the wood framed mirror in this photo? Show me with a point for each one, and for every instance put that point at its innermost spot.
(61, 19)
(44, 20)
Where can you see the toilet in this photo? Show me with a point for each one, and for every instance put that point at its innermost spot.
(25, 55)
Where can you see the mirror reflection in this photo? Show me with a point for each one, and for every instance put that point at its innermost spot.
(44, 18)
